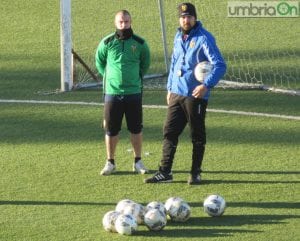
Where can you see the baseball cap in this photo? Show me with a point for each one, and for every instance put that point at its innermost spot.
(187, 9)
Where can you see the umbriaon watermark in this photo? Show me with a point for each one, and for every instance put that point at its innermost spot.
(263, 9)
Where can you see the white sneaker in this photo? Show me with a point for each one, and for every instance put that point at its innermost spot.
(139, 167)
(108, 169)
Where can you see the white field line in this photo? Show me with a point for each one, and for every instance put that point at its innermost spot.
(234, 112)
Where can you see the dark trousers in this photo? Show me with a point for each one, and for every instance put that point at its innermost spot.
(182, 111)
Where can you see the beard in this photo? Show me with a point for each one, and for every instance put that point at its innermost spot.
(187, 27)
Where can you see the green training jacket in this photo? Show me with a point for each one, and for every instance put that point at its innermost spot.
(122, 63)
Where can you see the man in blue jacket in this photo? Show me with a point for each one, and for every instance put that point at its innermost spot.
(187, 98)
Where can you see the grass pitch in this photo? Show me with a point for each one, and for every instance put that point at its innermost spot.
(51, 189)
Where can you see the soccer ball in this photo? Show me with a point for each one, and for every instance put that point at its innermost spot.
(135, 209)
(177, 209)
(214, 205)
(126, 224)
(122, 204)
(155, 219)
(156, 205)
(109, 220)
(201, 70)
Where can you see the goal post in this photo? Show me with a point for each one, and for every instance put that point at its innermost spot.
(75, 73)
(261, 53)
(163, 32)
(66, 46)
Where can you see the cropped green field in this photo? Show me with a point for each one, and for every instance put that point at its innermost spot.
(51, 154)
(51, 190)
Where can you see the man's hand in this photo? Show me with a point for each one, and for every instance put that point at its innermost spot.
(199, 91)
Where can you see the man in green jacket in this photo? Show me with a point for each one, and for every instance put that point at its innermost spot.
(123, 58)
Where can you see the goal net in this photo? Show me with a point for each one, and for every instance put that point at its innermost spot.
(260, 52)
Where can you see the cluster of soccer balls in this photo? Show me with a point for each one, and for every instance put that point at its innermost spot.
(129, 214)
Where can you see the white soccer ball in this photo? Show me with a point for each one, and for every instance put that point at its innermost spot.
(155, 219)
(177, 209)
(214, 205)
(135, 209)
(109, 220)
(122, 204)
(201, 70)
(156, 205)
(126, 224)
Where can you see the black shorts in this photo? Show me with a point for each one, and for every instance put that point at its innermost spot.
(116, 106)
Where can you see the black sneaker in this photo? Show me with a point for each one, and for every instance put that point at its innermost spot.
(160, 177)
(194, 179)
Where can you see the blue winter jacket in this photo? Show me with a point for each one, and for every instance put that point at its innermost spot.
(199, 46)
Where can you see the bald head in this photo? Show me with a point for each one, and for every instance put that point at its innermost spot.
(123, 20)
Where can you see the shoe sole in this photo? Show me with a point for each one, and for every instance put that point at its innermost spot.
(167, 181)
(141, 171)
(107, 174)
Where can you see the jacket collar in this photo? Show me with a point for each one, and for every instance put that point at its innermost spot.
(124, 34)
